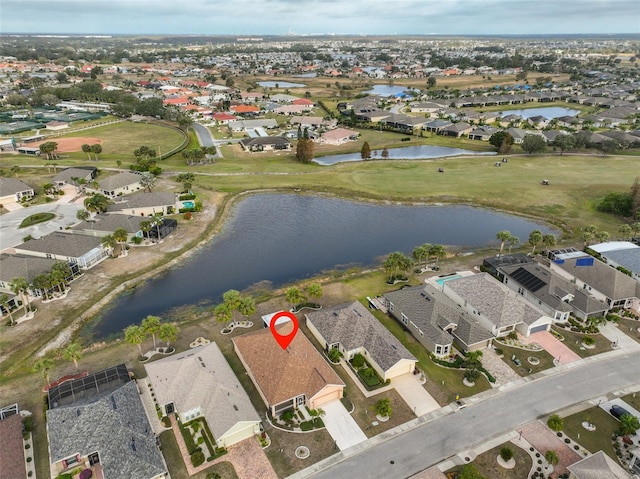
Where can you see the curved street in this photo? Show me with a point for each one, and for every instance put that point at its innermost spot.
(428, 440)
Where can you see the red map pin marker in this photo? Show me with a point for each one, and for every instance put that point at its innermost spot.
(284, 340)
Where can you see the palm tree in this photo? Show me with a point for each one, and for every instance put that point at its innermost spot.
(145, 227)
(555, 423)
(223, 313)
(551, 457)
(4, 301)
(395, 264)
(83, 215)
(73, 352)
(96, 150)
(603, 236)
(135, 334)
(109, 242)
(635, 227)
(43, 283)
(383, 407)
(629, 424)
(43, 366)
(246, 306)
(314, 291)
(62, 272)
(438, 252)
(120, 235)
(535, 238)
(148, 181)
(549, 240)
(15, 169)
(168, 332)
(86, 148)
(421, 253)
(587, 237)
(513, 240)
(294, 296)
(503, 236)
(157, 221)
(20, 286)
(96, 203)
(151, 325)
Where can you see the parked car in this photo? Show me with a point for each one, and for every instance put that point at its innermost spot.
(618, 411)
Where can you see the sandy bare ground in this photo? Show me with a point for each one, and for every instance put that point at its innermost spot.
(69, 145)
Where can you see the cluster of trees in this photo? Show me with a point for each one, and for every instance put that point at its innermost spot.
(626, 205)
(427, 251)
(232, 302)
(187, 180)
(197, 155)
(57, 278)
(97, 203)
(49, 149)
(396, 265)
(146, 160)
(73, 353)
(88, 149)
(297, 297)
(118, 237)
(536, 238)
(591, 232)
(305, 147)
(151, 325)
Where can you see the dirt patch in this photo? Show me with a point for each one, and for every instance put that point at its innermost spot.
(69, 145)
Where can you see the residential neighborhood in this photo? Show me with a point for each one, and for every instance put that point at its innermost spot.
(163, 199)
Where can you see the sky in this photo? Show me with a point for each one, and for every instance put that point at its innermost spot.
(280, 17)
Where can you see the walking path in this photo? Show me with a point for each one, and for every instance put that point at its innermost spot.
(498, 368)
(560, 353)
(618, 337)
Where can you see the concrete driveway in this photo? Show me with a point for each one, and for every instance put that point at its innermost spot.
(416, 396)
(554, 347)
(11, 235)
(342, 427)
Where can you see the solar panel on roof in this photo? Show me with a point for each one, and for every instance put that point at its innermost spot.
(528, 280)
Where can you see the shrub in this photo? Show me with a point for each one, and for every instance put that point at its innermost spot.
(136, 240)
(27, 446)
(197, 458)
(506, 453)
(27, 423)
(306, 425)
(512, 335)
(383, 407)
(588, 341)
(200, 440)
(86, 474)
(555, 423)
(188, 215)
(287, 416)
(358, 360)
(213, 475)
(29, 459)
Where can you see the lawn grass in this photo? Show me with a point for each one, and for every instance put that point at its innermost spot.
(546, 360)
(488, 466)
(573, 341)
(35, 219)
(630, 327)
(593, 441)
(633, 400)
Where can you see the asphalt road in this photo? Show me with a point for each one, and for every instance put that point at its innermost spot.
(204, 135)
(504, 411)
(11, 235)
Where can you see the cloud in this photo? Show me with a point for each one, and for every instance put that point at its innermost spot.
(320, 16)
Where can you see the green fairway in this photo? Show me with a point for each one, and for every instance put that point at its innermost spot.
(120, 139)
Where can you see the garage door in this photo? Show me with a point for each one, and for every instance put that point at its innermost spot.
(537, 329)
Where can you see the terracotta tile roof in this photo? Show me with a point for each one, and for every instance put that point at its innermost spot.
(284, 374)
(245, 109)
(12, 450)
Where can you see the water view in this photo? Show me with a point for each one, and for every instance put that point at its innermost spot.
(388, 90)
(421, 152)
(279, 239)
(280, 84)
(549, 112)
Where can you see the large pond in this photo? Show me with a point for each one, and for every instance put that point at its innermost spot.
(388, 90)
(421, 152)
(280, 238)
(549, 112)
(280, 84)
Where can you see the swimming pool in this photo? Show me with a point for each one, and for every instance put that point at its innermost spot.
(188, 204)
(441, 281)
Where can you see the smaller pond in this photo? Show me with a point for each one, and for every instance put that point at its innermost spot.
(421, 152)
(388, 90)
(549, 112)
(281, 84)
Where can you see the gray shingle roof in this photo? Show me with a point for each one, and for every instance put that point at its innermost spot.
(119, 180)
(116, 426)
(202, 378)
(598, 466)
(629, 258)
(494, 300)
(11, 186)
(265, 140)
(66, 175)
(143, 200)
(62, 244)
(22, 266)
(109, 223)
(550, 283)
(354, 327)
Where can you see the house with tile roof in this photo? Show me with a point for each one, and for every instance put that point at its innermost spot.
(495, 306)
(352, 329)
(288, 378)
(144, 204)
(597, 466)
(99, 422)
(555, 295)
(339, 136)
(607, 284)
(200, 383)
(12, 452)
(120, 184)
(13, 190)
(436, 321)
(85, 251)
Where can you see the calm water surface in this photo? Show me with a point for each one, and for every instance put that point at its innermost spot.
(284, 238)
(549, 112)
(405, 153)
(281, 84)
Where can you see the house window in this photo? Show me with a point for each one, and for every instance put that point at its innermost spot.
(404, 318)
(438, 349)
(390, 307)
(521, 291)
